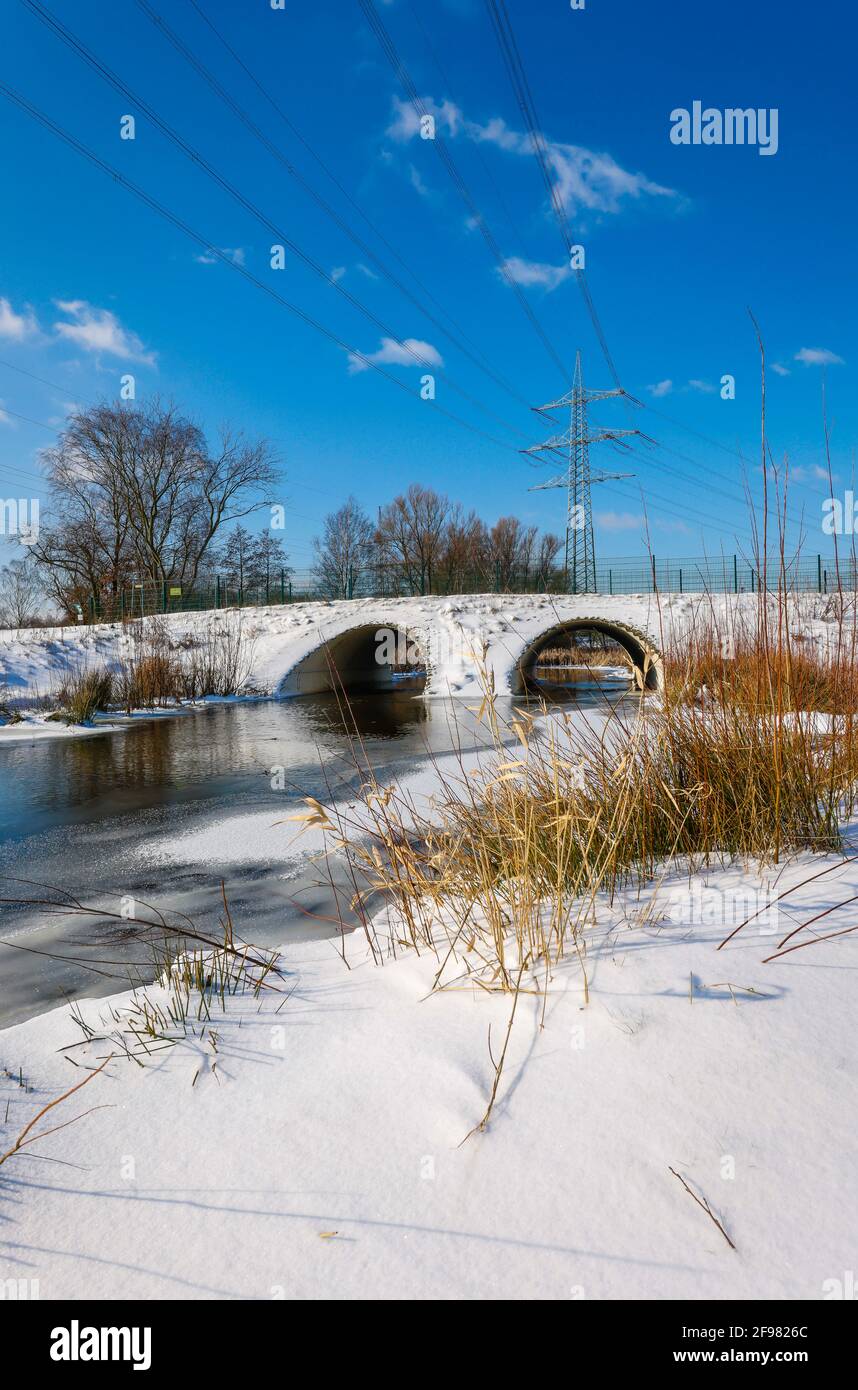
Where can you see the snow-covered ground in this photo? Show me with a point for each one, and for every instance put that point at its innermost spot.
(314, 1147)
(318, 1152)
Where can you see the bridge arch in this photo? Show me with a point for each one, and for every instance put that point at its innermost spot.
(642, 652)
(369, 656)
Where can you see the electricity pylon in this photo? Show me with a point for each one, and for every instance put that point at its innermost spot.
(580, 554)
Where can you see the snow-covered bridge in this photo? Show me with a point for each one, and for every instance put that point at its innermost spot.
(294, 649)
(308, 647)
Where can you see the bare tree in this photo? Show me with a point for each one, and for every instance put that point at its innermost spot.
(464, 549)
(249, 562)
(510, 553)
(270, 560)
(136, 492)
(545, 567)
(20, 593)
(344, 550)
(411, 533)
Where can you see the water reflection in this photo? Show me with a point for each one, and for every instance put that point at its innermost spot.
(564, 683)
(167, 760)
(225, 751)
(81, 814)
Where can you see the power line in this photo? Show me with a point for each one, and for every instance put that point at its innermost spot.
(227, 260)
(514, 64)
(290, 125)
(190, 57)
(518, 77)
(71, 41)
(66, 35)
(219, 255)
(682, 513)
(716, 444)
(293, 482)
(4, 410)
(521, 88)
(710, 487)
(389, 49)
(484, 164)
(55, 386)
(672, 511)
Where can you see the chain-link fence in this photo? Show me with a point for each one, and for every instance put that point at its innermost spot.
(725, 574)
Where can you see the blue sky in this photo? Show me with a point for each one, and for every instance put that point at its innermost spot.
(679, 242)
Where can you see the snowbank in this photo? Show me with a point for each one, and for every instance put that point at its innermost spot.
(320, 1156)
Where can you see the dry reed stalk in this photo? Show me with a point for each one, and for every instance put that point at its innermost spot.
(23, 1142)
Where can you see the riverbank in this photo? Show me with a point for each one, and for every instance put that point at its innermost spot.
(36, 726)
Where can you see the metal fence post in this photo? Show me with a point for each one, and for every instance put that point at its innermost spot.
(735, 574)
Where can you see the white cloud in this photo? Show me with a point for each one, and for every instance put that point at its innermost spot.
(583, 178)
(406, 122)
(677, 527)
(365, 270)
(392, 353)
(535, 273)
(99, 330)
(800, 474)
(417, 183)
(818, 357)
(236, 254)
(661, 388)
(338, 272)
(16, 326)
(780, 369)
(4, 418)
(704, 387)
(620, 521)
(596, 181)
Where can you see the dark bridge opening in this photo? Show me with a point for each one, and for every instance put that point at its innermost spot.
(586, 653)
(364, 660)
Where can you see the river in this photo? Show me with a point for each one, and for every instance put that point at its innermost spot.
(92, 816)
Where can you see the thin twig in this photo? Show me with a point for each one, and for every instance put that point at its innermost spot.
(499, 1067)
(702, 1202)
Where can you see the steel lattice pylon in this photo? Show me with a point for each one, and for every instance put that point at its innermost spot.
(580, 550)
